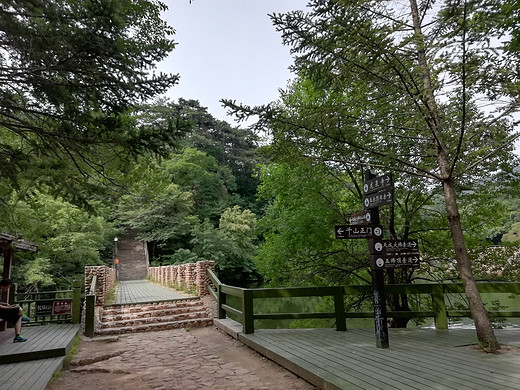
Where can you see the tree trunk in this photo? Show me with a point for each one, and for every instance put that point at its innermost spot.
(485, 333)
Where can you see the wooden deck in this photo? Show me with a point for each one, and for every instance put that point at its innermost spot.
(417, 358)
(30, 365)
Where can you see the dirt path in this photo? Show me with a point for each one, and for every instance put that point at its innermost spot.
(201, 358)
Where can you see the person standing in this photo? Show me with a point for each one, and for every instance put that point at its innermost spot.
(12, 313)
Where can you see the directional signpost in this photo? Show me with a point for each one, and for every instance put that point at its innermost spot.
(394, 261)
(379, 199)
(384, 254)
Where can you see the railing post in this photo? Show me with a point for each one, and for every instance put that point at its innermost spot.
(90, 306)
(76, 302)
(339, 308)
(221, 301)
(439, 307)
(248, 322)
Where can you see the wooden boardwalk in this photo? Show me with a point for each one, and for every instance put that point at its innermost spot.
(30, 365)
(417, 358)
(143, 291)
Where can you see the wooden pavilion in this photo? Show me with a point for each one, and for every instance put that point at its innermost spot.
(8, 245)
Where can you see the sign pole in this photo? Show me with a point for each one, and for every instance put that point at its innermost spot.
(378, 284)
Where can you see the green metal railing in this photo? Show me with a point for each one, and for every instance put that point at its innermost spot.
(437, 293)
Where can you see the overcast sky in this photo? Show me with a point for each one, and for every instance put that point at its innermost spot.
(228, 49)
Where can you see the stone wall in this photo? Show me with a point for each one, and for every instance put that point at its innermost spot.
(106, 278)
(190, 275)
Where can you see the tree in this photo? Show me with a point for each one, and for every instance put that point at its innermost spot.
(201, 175)
(305, 200)
(233, 148)
(68, 239)
(403, 87)
(70, 74)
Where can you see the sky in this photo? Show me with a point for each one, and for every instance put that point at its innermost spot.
(228, 49)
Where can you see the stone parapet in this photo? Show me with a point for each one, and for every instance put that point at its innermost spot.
(183, 276)
(106, 278)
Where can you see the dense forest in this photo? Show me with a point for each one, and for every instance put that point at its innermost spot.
(89, 148)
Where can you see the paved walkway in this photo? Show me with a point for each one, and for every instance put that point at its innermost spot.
(174, 359)
(143, 291)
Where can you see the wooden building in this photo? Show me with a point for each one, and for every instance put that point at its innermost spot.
(8, 246)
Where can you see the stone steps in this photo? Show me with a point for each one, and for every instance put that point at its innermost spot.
(156, 327)
(133, 260)
(118, 323)
(137, 308)
(145, 317)
(152, 313)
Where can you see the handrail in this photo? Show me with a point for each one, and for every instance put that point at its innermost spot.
(247, 297)
(93, 285)
(90, 307)
(213, 277)
(44, 292)
(436, 291)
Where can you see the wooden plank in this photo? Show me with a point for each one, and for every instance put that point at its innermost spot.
(453, 342)
(463, 361)
(33, 375)
(327, 354)
(300, 367)
(43, 342)
(143, 291)
(410, 358)
(418, 359)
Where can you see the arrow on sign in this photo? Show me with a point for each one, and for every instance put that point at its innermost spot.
(378, 199)
(395, 261)
(395, 246)
(358, 231)
(378, 184)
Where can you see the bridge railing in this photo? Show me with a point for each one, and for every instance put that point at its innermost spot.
(437, 293)
(246, 296)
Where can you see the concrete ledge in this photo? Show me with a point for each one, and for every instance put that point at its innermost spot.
(229, 326)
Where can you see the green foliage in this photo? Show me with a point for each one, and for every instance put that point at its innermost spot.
(68, 238)
(176, 203)
(306, 200)
(513, 235)
(233, 148)
(200, 174)
(70, 74)
(37, 272)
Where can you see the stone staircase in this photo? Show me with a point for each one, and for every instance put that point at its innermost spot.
(146, 317)
(133, 258)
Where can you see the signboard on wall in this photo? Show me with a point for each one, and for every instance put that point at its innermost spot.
(43, 308)
(62, 307)
(53, 307)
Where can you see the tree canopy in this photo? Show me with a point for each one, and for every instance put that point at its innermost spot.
(70, 74)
